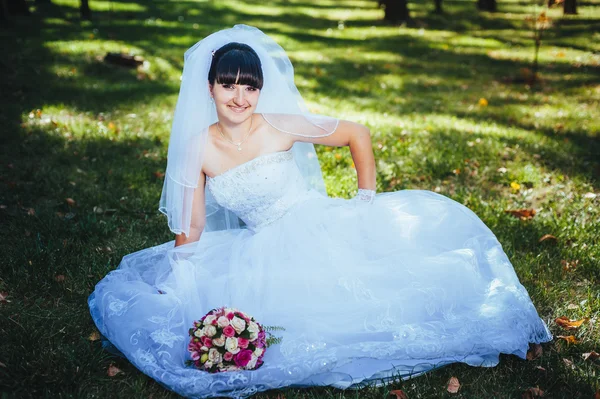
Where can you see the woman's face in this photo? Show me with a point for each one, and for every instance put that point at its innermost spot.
(234, 103)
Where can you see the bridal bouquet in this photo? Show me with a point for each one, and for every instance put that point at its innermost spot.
(227, 339)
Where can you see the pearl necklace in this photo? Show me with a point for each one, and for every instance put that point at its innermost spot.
(239, 145)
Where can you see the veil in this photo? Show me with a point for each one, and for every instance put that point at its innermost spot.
(279, 102)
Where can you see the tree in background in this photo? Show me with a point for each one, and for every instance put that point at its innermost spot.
(570, 7)
(13, 7)
(84, 10)
(486, 5)
(438, 7)
(396, 11)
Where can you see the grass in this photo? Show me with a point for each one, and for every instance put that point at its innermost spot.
(75, 128)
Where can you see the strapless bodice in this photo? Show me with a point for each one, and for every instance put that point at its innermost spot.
(261, 190)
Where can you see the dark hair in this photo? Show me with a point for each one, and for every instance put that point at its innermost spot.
(234, 58)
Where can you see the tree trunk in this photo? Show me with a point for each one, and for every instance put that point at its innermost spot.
(396, 11)
(570, 7)
(438, 7)
(486, 5)
(16, 7)
(84, 10)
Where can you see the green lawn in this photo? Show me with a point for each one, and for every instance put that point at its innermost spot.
(84, 148)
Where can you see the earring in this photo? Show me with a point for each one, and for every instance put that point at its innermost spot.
(212, 100)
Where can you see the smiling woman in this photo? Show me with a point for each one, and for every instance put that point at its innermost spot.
(367, 289)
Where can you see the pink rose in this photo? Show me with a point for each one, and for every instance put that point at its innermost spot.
(206, 341)
(228, 356)
(228, 331)
(261, 335)
(243, 342)
(195, 356)
(242, 358)
(230, 315)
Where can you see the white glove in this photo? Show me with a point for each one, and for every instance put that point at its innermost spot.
(365, 196)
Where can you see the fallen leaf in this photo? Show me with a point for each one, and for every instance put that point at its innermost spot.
(399, 394)
(95, 336)
(2, 365)
(59, 278)
(533, 393)
(546, 237)
(522, 214)
(70, 201)
(31, 212)
(568, 324)
(3, 296)
(569, 265)
(453, 385)
(570, 339)
(113, 370)
(572, 306)
(159, 174)
(535, 351)
(540, 368)
(593, 355)
(569, 363)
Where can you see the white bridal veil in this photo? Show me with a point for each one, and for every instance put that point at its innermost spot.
(280, 103)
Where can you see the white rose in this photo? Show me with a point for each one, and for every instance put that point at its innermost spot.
(253, 327)
(209, 319)
(238, 324)
(223, 322)
(210, 331)
(228, 310)
(208, 365)
(252, 363)
(258, 352)
(204, 348)
(231, 344)
(214, 356)
(198, 333)
(219, 341)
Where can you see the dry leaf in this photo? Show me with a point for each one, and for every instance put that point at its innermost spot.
(3, 296)
(31, 212)
(569, 338)
(453, 385)
(159, 174)
(568, 324)
(2, 365)
(569, 265)
(523, 214)
(535, 351)
(59, 278)
(569, 363)
(70, 201)
(540, 368)
(547, 237)
(593, 355)
(95, 336)
(399, 394)
(572, 306)
(113, 370)
(533, 393)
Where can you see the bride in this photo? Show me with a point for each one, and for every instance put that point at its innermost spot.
(369, 289)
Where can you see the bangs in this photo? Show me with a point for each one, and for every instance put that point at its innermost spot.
(242, 62)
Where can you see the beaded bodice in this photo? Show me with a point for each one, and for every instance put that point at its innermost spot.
(261, 190)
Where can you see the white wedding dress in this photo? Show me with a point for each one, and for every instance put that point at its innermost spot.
(365, 292)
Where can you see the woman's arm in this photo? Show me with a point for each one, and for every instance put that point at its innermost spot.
(198, 215)
(358, 138)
